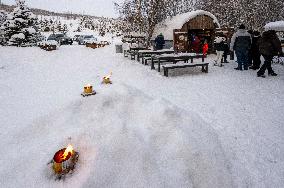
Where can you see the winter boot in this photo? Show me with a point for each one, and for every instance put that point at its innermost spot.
(272, 74)
(261, 75)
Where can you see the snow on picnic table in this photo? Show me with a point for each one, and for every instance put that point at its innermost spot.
(221, 129)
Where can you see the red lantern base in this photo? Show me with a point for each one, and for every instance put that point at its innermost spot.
(63, 167)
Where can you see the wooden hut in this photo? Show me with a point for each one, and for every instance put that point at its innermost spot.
(189, 31)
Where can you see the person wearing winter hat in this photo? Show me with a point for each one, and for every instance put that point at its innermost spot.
(220, 47)
(241, 43)
(269, 46)
(255, 51)
(160, 42)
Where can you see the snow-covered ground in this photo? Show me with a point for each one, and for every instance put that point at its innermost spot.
(221, 129)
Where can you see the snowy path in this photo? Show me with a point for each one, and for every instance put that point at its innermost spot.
(222, 129)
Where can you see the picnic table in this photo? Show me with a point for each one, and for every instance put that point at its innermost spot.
(141, 54)
(132, 51)
(174, 58)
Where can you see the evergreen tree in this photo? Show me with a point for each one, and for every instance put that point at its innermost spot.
(3, 17)
(20, 28)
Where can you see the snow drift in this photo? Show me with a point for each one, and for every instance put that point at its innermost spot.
(125, 139)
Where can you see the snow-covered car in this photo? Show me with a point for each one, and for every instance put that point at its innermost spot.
(83, 39)
(61, 39)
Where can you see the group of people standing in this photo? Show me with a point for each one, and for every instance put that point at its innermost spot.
(249, 46)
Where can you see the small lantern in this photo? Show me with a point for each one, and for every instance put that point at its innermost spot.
(88, 90)
(106, 79)
(64, 162)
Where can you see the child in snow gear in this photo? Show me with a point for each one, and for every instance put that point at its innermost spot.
(205, 48)
(159, 42)
(196, 44)
(241, 43)
(255, 51)
(220, 47)
(269, 46)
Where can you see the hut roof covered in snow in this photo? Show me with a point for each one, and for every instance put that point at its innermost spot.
(168, 25)
(277, 26)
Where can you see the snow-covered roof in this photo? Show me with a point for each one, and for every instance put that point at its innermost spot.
(167, 26)
(277, 26)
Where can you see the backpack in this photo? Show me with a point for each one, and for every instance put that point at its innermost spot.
(265, 46)
(242, 42)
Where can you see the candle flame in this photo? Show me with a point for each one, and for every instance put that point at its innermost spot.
(68, 150)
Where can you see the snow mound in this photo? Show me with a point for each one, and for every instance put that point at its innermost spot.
(167, 26)
(125, 139)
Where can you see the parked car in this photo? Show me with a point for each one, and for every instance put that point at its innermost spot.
(75, 38)
(282, 42)
(61, 39)
(83, 39)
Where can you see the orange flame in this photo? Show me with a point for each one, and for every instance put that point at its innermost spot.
(68, 150)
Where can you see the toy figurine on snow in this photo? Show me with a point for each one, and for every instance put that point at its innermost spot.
(106, 79)
(88, 90)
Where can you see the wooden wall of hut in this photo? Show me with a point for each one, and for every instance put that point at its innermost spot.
(199, 22)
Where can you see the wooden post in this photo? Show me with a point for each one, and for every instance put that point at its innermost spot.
(152, 63)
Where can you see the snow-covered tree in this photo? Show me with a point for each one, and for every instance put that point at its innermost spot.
(254, 13)
(3, 17)
(143, 15)
(20, 28)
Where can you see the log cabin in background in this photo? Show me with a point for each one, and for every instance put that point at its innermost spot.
(189, 31)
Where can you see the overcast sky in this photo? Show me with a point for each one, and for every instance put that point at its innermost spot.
(92, 7)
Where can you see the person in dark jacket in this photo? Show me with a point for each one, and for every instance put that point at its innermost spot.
(159, 42)
(269, 46)
(250, 52)
(241, 43)
(255, 51)
(227, 49)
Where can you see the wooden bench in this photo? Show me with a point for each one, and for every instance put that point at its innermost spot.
(174, 59)
(185, 65)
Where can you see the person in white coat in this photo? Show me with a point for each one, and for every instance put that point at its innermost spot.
(220, 46)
